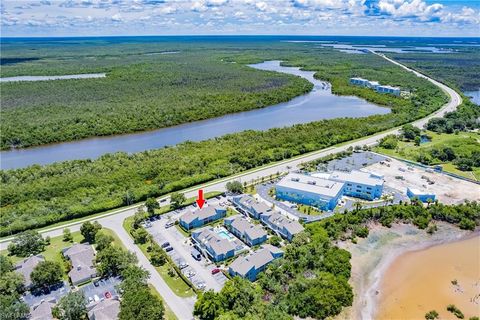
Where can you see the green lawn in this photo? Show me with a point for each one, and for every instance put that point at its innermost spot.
(463, 143)
(312, 211)
(178, 286)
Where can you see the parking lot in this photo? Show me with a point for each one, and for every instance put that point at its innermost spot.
(101, 289)
(55, 293)
(199, 272)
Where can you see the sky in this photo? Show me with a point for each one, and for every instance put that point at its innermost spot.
(221, 17)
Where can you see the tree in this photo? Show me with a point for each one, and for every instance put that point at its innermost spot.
(176, 200)
(151, 204)
(67, 235)
(234, 187)
(431, 315)
(209, 306)
(457, 312)
(138, 217)
(89, 230)
(27, 243)
(133, 276)
(409, 132)
(140, 303)
(71, 306)
(140, 235)
(417, 140)
(102, 240)
(275, 241)
(12, 308)
(158, 257)
(46, 273)
(11, 283)
(113, 260)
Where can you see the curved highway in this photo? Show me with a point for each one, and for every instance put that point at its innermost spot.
(183, 307)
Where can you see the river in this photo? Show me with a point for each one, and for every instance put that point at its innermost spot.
(316, 105)
(430, 279)
(47, 78)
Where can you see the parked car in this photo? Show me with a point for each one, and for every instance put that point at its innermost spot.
(169, 224)
(96, 298)
(215, 271)
(165, 244)
(183, 265)
(168, 249)
(196, 255)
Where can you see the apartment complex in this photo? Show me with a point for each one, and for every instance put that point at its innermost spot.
(201, 217)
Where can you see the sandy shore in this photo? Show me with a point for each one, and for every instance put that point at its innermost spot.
(372, 256)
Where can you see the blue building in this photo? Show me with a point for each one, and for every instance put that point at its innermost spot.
(359, 184)
(198, 218)
(250, 266)
(213, 245)
(317, 192)
(247, 205)
(388, 89)
(249, 233)
(420, 195)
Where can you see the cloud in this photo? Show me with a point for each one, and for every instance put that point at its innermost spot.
(117, 17)
(167, 10)
(262, 6)
(411, 9)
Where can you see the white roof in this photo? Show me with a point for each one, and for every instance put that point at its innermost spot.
(420, 192)
(389, 87)
(356, 176)
(311, 184)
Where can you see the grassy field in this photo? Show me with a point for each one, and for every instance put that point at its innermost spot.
(312, 211)
(463, 143)
(176, 283)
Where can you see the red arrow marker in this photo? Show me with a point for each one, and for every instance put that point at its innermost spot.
(200, 200)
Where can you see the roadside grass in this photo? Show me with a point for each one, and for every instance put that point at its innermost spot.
(169, 315)
(311, 211)
(53, 251)
(176, 283)
(462, 144)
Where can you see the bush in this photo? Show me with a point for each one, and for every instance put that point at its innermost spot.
(453, 309)
(431, 315)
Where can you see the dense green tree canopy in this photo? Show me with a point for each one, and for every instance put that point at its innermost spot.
(26, 243)
(71, 306)
(46, 273)
(113, 260)
(89, 230)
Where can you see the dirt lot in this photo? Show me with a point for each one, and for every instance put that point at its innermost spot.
(447, 190)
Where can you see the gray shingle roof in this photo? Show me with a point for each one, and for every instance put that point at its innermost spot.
(81, 257)
(43, 311)
(26, 267)
(209, 238)
(245, 227)
(292, 226)
(202, 214)
(107, 309)
(256, 260)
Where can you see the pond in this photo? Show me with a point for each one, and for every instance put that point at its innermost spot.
(316, 105)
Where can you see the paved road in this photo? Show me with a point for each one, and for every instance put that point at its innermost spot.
(183, 307)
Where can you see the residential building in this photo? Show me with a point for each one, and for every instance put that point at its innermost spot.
(247, 205)
(281, 225)
(198, 218)
(248, 232)
(213, 245)
(43, 311)
(313, 191)
(251, 265)
(423, 196)
(359, 81)
(107, 309)
(360, 184)
(26, 266)
(388, 89)
(82, 258)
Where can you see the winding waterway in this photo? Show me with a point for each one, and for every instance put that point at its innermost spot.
(316, 105)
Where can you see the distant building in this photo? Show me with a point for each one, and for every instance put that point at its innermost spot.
(26, 266)
(250, 234)
(423, 196)
(251, 265)
(317, 192)
(247, 205)
(107, 309)
(281, 225)
(359, 184)
(198, 218)
(82, 258)
(213, 245)
(388, 89)
(43, 311)
(375, 86)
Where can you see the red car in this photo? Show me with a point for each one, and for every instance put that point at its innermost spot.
(108, 295)
(215, 271)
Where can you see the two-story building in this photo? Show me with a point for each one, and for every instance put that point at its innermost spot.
(251, 265)
(281, 225)
(247, 205)
(213, 245)
(201, 217)
(82, 258)
(313, 191)
(248, 232)
(26, 266)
